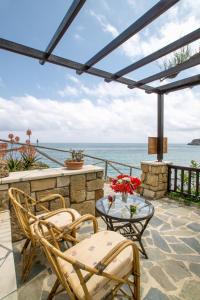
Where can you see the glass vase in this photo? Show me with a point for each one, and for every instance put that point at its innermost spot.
(124, 197)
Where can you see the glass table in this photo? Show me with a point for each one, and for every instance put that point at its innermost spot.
(118, 217)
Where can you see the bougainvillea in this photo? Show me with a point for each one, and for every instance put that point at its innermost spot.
(125, 184)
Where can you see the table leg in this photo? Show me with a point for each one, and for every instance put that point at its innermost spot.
(142, 250)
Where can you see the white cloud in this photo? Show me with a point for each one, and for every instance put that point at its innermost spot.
(73, 78)
(107, 90)
(168, 33)
(68, 90)
(106, 26)
(179, 21)
(103, 113)
(78, 37)
(105, 5)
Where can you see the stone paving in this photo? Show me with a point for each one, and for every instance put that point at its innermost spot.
(6, 257)
(172, 272)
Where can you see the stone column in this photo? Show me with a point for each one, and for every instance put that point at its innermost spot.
(154, 179)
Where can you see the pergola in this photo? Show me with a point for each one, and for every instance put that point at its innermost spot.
(157, 10)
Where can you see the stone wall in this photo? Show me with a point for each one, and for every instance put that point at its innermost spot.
(80, 189)
(154, 179)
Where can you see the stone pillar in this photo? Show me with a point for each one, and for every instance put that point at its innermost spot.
(154, 179)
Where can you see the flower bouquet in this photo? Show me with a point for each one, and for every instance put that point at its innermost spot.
(125, 185)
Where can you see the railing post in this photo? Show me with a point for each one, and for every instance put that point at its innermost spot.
(106, 170)
(131, 171)
(197, 183)
(169, 179)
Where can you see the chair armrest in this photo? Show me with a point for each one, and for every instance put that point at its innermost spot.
(98, 269)
(86, 217)
(110, 256)
(118, 249)
(57, 211)
(51, 198)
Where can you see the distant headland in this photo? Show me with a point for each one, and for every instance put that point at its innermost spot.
(195, 142)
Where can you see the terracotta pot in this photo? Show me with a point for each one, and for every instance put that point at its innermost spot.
(74, 165)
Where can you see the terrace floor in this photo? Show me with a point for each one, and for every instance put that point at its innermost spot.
(172, 272)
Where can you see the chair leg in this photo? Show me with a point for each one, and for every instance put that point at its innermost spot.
(53, 290)
(25, 246)
(136, 289)
(27, 262)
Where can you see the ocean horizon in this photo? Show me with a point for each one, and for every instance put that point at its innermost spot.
(130, 153)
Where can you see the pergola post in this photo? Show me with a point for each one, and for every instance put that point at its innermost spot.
(160, 127)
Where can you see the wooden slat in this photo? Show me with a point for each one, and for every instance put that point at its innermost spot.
(142, 22)
(57, 60)
(182, 181)
(169, 178)
(171, 71)
(179, 84)
(189, 181)
(197, 183)
(175, 180)
(64, 25)
(185, 40)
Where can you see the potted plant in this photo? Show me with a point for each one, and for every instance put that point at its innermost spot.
(76, 162)
(177, 58)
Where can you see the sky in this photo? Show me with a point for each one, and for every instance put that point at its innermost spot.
(60, 106)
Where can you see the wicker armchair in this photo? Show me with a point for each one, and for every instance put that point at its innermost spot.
(26, 211)
(95, 268)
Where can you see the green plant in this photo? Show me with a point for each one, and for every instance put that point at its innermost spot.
(28, 161)
(23, 157)
(178, 57)
(14, 164)
(194, 197)
(193, 164)
(186, 199)
(77, 155)
(40, 165)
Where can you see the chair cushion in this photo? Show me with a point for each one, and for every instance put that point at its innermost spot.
(61, 219)
(89, 252)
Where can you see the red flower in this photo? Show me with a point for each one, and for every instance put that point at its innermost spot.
(125, 184)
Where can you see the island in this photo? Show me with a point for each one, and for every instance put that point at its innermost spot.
(195, 142)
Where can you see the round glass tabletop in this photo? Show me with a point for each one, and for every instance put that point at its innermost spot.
(121, 210)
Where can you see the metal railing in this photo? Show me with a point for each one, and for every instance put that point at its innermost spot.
(184, 181)
(115, 166)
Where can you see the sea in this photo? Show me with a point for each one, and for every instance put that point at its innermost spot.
(130, 153)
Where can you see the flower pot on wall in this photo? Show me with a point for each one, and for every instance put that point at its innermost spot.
(74, 165)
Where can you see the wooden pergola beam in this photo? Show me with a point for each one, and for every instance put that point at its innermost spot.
(185, 40)
(57, 60)
(138, 25)
(194, 61)
(178, 85)
(64, 25)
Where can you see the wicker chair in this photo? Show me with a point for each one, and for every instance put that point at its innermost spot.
(26, 211)
(95, 268)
